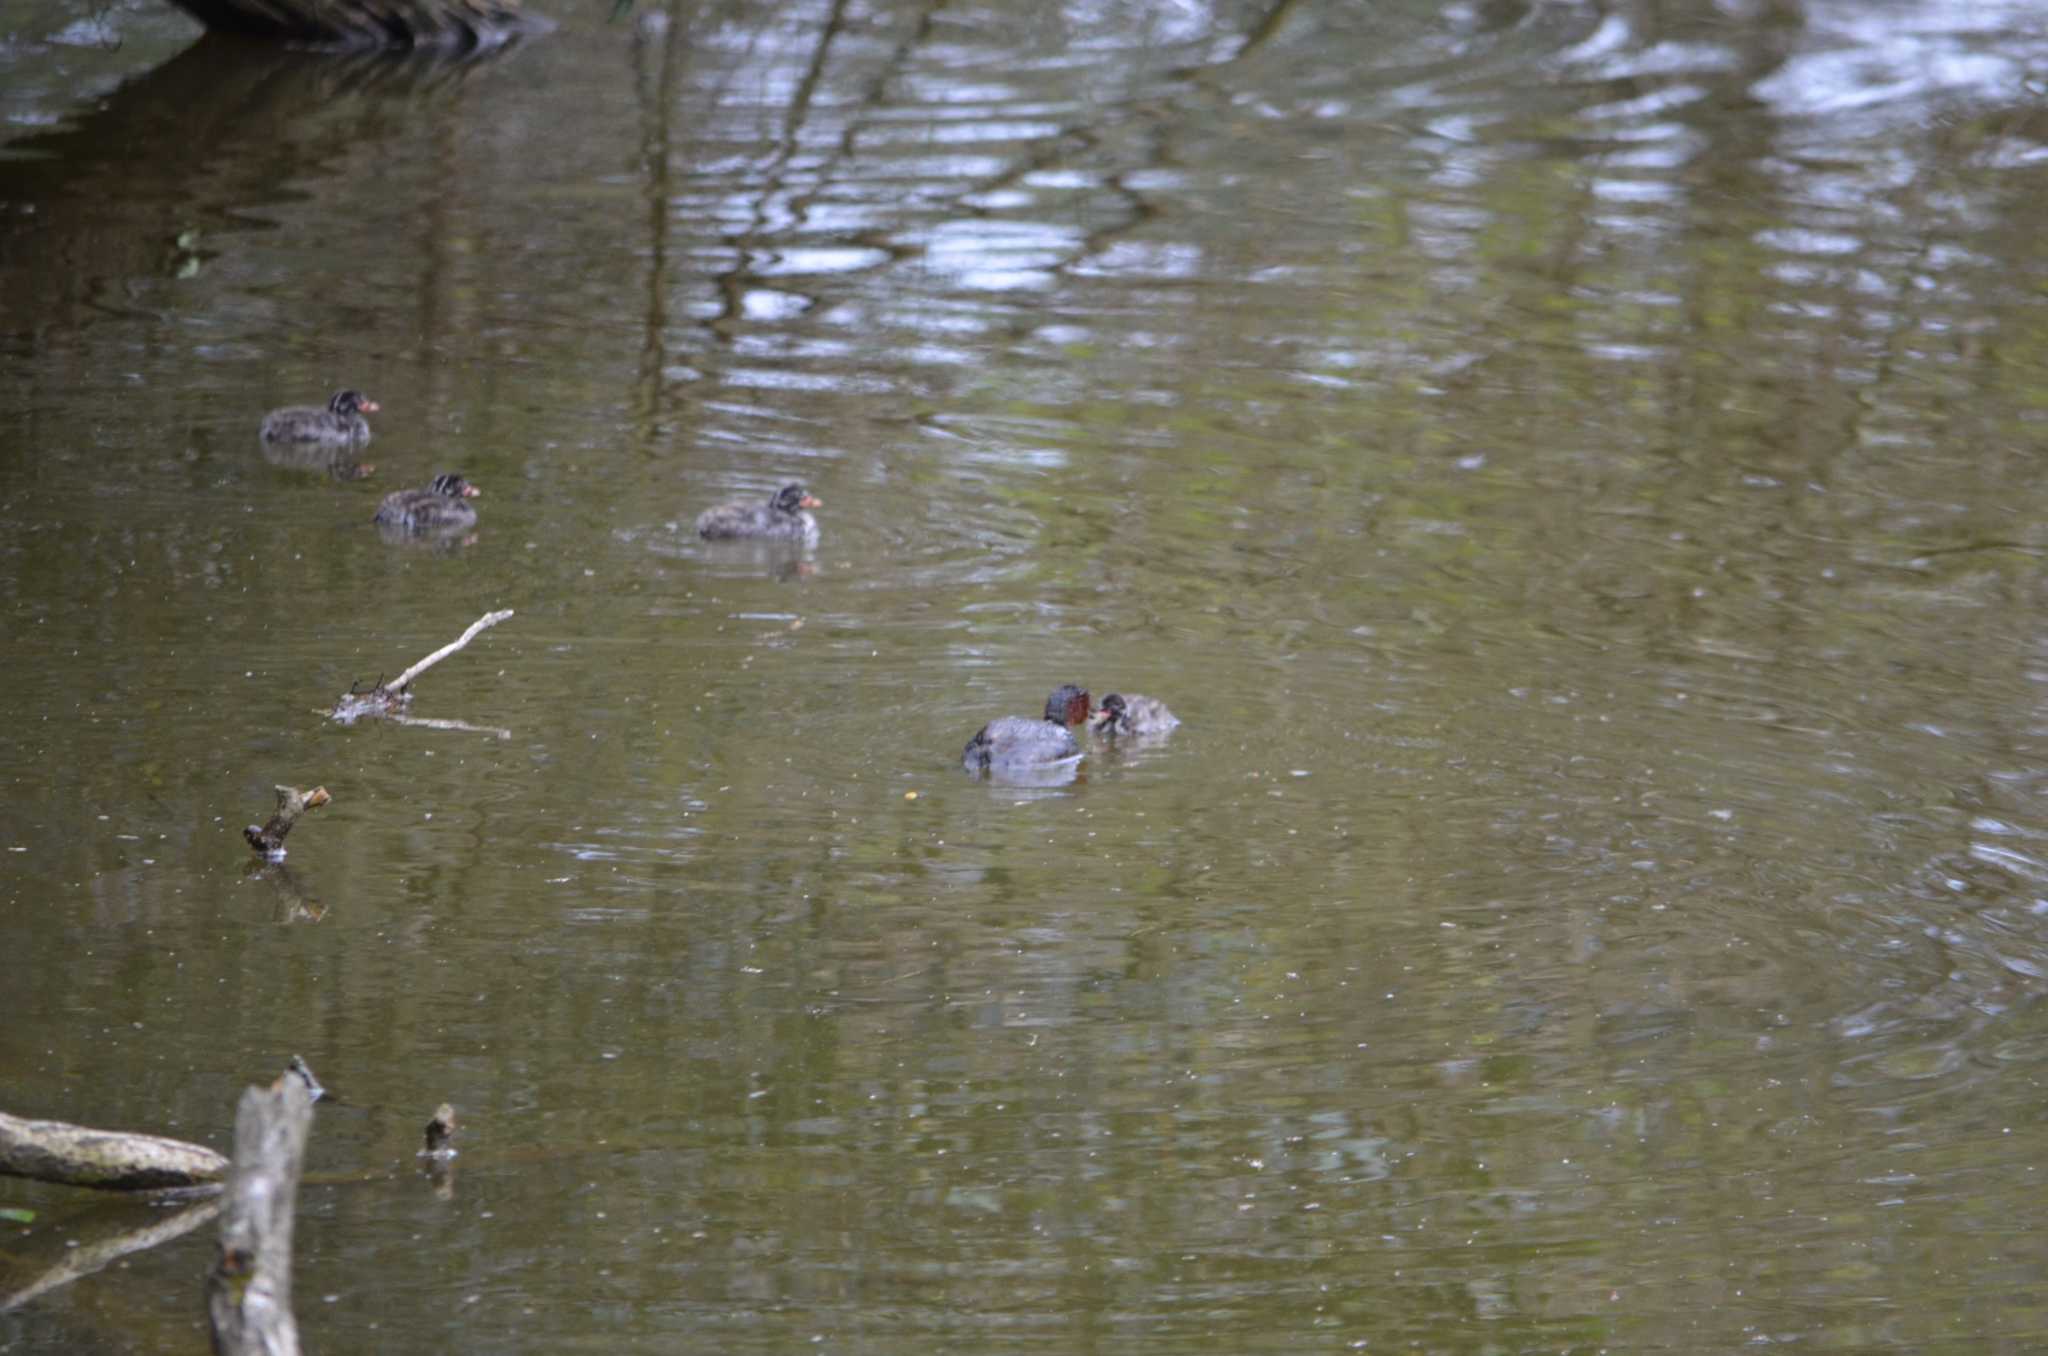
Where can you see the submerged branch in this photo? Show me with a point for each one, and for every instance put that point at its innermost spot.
(444, 723)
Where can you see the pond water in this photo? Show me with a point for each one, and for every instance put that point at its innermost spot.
(1573, 467)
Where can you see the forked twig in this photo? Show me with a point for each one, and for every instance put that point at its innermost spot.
(389, 699)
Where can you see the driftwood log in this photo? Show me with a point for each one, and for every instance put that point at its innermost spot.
(110, 1160)
(249, 1292)
(440, 25)
(291, 803)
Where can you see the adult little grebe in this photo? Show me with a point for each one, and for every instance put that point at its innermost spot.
(1021, 742)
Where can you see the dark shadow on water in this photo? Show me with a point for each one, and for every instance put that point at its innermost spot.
(133, 188)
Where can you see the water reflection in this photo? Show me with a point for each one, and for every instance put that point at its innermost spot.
(1041, 776)
(210, 138)
(337, 462)
(740, 559)
(1570, 466)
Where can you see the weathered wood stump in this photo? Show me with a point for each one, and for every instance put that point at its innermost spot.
(291, 803)
(441, 1133)
(249, 1291)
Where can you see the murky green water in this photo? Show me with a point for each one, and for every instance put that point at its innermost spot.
(1575, 469)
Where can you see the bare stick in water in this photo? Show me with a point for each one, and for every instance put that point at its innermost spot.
(483, 623)
(388, 699)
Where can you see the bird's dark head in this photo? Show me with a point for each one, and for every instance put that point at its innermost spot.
(352, 402)
(454, 486)
(793, 497)
(1112, 718)
(1068, 705)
